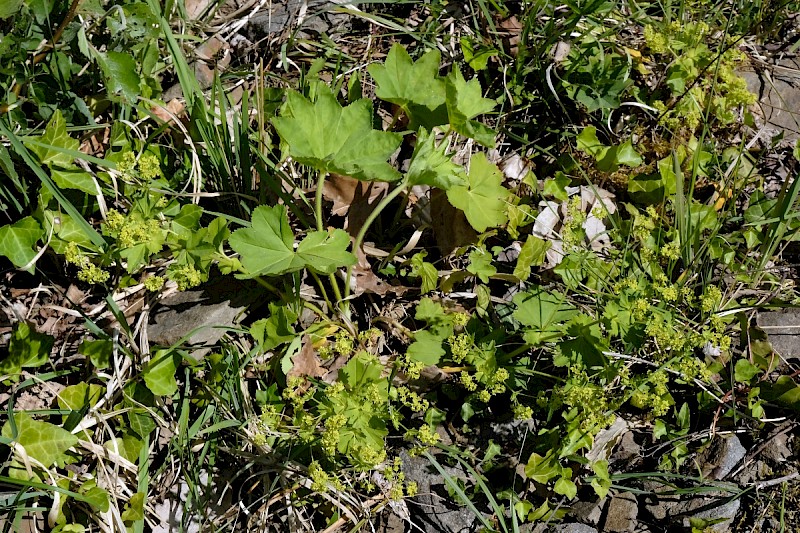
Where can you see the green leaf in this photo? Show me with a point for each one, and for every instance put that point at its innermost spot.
(271, 332)
(744, 371)
(128, 447)
(43, 441)
(557, 186)
(120, 73)
(464, 100)
(9, 8)
(362, 370)
(76, 397)
(602, 483)
(483, 200)
(324, 252)
(402, 81)
(99, 352)
(28, 349)
(566, 487)
(590, 144)
(134, 510)
(545, 313)
(329, 138)
(425, 271)
(267, 247)
(57, 139)
(75, 178)
(627, 155)
(17, 241)
(426, 348)
(533, 253)
(542, 469)
(432, 166)
(480, 264)
(159, 373)
(95, 496)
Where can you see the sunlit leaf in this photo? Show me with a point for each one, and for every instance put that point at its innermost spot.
(483, 200)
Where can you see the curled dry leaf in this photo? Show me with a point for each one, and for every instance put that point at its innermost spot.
(353, 198)
(306, 363)
(510, 31)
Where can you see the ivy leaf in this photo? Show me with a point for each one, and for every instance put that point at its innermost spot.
(404, 82)
(483, 200)
(541, 469)
(28, 349)
(45, 442)
(465, 101)
(76, 397)
(99, 352)
(55, 136)
(75, 178)
(533, 253)
(432, 166)
(425, 271)
(271, 332)
(744, 371)
(330, 138)
(544, 312)
(159, 373)
(566, 487)
(557, 186)
(267, 247)
(17, 241)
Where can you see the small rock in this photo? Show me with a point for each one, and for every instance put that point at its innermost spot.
(209, 310)
(433, 511)
(588, 512)
(781, 328)
(777, 449)
(573, 528)
(622, 512)
(726, 511)
(722, 456)
(627, 448)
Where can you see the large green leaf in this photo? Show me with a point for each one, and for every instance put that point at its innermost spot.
(75, 178)
(401, 81)
(545, 313)
(267, 246)
(483, 200)
(465, 101)
(120, 73)
(330, 138)
(431, 165)
(17, 241)
(43, 441)
(56, 138)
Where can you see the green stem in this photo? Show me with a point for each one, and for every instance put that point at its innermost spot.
(318, 200)
(321, 288)
(363, 231)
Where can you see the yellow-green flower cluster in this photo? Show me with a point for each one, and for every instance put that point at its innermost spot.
(522, 412)
(460, 346)
(89, 272)
(186, 276)
(711, 298)
(426, 435)
(330, 437)
(412, 369)
(153, 283)
(412, 400)
(671, 251)
(321, 480)
(343, 343)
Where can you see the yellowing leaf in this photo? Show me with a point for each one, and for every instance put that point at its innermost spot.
(533, 253)
(330, 138)
(43, 441)
(267, 247)
(483, 200)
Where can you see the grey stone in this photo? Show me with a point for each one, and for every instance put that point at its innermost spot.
(588, 512)
(622, 511)
(726, 511)
(778, 90)
(433, 512)
(783, 330)
(216, 305)
(777, 449)
(573, 528)
(722, 455)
